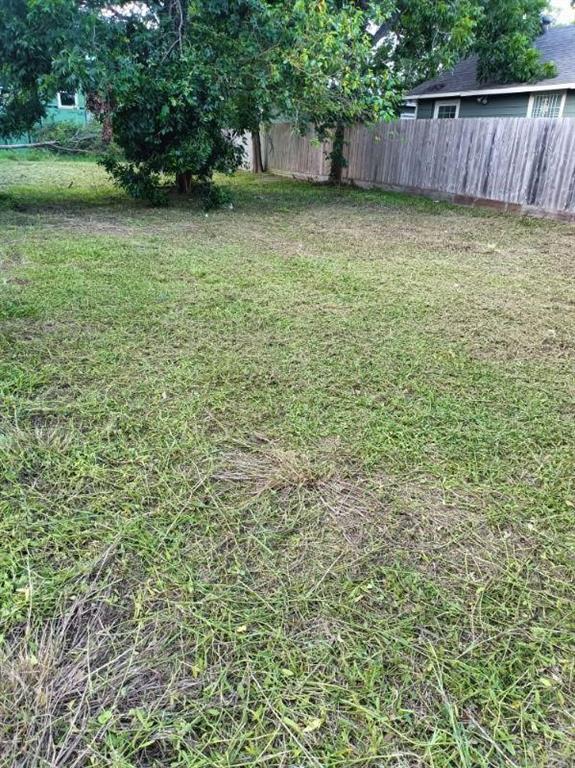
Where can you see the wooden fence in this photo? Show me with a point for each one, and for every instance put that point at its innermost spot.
(519, 164)
(286, 151)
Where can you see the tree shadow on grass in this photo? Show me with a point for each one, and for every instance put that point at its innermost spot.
(78, 188)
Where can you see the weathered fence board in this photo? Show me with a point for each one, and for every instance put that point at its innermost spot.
(286, 151)
(514, 163)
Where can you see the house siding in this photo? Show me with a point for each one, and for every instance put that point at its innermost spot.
(77, 115)
(507, 105)
(54, 114)
(425, 109)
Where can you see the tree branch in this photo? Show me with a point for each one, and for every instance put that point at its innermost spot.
(386, 27)
(44, 145)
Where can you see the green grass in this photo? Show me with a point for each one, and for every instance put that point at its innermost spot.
(285, 485)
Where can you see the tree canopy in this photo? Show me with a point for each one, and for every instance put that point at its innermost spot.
(504, 44)
(178, 81)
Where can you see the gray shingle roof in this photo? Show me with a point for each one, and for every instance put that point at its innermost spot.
(557, 45)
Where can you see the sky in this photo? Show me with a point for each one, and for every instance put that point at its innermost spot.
(562, 11)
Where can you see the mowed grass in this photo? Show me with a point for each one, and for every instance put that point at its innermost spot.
(286, 485)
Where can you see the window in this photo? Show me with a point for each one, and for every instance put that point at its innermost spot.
(67, 100)
(446, 110)
(546, 104)
(409, 110)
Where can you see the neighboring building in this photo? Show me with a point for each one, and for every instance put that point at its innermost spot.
(65, 107)
(458, 93)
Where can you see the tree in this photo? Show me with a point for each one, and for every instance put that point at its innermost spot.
(178, 81)
(504, 45)
(208, 71)
(412, 40)
(26, 41)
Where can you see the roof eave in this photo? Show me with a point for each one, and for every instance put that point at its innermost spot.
(492, 91)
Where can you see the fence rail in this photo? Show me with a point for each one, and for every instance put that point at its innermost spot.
(512, 163)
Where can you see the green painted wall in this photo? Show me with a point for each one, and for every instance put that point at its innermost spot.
(77, 115)
(54, 114)
(507, 105)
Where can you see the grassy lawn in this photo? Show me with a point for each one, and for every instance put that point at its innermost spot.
(288, 485)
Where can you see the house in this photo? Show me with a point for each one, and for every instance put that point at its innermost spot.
(65, 107)
(457, 93)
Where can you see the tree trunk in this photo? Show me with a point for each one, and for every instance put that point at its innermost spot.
(107, 134)
(336, 154)
(184, 182)
(257, 162)
(100, 106)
